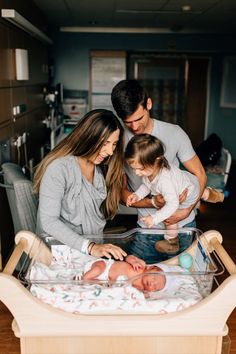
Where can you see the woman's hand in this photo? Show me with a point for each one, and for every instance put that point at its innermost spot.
(108, 250)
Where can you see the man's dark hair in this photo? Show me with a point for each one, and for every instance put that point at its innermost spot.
(126, 96)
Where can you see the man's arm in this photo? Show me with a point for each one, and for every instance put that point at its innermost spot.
(195, 167)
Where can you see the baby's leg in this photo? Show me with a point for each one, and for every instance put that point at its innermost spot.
(96, 269)
(170, 244)
(172, 231)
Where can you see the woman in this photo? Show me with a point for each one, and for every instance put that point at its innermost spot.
(79, 184)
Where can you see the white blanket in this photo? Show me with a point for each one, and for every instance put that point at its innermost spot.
(56, 285)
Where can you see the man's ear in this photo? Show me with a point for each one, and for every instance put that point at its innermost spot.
(149, 104)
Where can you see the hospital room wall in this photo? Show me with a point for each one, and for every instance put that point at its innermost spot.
(71, 54)
(27, 95)
(222, 120)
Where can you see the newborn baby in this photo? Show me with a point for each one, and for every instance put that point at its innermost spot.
(143, 277)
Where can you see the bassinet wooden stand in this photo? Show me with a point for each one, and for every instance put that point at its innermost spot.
(46, 330)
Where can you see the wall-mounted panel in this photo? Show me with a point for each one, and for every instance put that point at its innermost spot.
(16, 41)
(5, 105)
(22, 66)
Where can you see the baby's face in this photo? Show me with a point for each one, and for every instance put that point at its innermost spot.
(149, 281)
(152, 282)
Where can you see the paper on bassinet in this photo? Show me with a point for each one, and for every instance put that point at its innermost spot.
(60, 292)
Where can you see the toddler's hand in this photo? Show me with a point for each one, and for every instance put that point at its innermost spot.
(148, 221)
(132, 198)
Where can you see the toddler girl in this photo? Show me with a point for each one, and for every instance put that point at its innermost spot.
(145, 155)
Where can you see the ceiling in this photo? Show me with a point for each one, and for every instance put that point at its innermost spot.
(217, 16)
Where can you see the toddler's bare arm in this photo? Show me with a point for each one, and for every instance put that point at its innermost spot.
(131, 199)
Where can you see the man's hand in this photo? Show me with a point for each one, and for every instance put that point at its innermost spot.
(159, 201)
(179, 215)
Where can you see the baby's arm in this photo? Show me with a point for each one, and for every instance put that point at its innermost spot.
(136, 262)
(96, 269)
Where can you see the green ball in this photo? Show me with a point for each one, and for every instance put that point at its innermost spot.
(185, 260)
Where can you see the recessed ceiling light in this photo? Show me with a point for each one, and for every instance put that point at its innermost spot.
(186, 8)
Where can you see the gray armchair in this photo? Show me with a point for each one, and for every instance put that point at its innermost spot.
(23, 203)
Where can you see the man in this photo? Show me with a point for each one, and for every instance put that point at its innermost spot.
(132, 104)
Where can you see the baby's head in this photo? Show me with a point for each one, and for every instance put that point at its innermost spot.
(150, 280)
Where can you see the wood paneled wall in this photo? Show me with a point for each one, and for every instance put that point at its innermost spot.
(14, 93)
